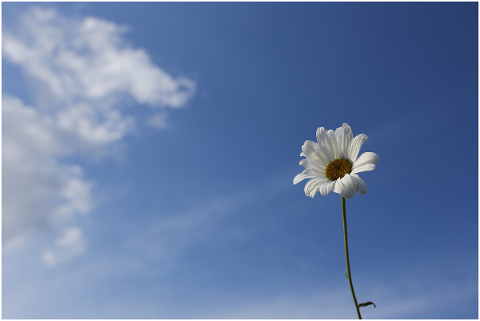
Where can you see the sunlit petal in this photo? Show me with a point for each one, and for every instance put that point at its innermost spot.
(354, 147)
(366, 158)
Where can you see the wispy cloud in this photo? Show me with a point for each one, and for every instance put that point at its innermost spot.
(82, 70)
(170, 236)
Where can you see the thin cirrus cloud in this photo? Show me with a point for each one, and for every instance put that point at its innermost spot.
(81, 70)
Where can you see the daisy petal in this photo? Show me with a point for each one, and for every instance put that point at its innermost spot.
(362, 187)
(310, 150)
(333, 141)
(354, 147)
(366, 158)
(307, 163)
(312, 186)
(307, 173)
(339, 187)
(322, 150)
(353, 183)
(339, 136)
(363, 168)
(344, 187)
(344, 137)
(324, 140)
(327, 187)
(297, 179)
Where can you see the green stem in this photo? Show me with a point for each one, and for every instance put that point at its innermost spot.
(349, 274)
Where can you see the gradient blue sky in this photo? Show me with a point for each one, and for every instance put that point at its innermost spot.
(149, 151)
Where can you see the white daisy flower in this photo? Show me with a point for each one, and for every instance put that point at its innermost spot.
(332, 163)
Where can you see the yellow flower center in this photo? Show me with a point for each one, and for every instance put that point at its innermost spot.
(337, 169)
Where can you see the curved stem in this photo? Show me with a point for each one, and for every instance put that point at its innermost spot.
(349, 274)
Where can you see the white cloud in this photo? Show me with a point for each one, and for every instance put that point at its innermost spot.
(39, 194)
(82, 70)
(69, 245)
(38, 191)
(88, 59)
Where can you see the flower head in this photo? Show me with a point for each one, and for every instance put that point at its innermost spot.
(332, 163)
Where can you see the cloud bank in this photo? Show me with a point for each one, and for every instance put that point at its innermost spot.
(82, 71)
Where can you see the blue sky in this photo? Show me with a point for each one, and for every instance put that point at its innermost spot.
(149, 151)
